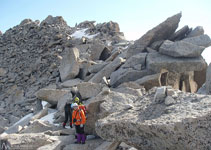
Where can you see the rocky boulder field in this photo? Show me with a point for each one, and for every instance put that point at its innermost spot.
(148, 94)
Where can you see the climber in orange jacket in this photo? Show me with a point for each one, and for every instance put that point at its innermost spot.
(79, 119)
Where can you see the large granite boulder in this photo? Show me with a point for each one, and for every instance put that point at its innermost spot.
(88, 90)
(196, 32)
(156, 62)
(25, 141)
(150, 81)
(161, 32)
(37, 126)
(180, 34)
(136, 62)
(202, 40)
(180, 49)
(106, 103)
(51, 95)
(180, 125)
(208, 80)
(50, 20)
(107, 70)
(69, 67)
(125, 75)
(96, 50)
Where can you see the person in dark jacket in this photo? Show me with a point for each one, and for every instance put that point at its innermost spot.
(68, 114)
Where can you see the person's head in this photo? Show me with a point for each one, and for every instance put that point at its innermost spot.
(74, 105)
(76, 100)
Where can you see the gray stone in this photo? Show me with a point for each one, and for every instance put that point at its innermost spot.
(135, 60)
(22, 122)
(125, 75)
(104, 104)
(108, 146)
(4, 122)
(63, 100)
(50, 20)
(180, 34)
(156, 45)
(208, 80)
(90, 145)
(40, 114)
(160, 94)
(69, 67)
(169, 101)
(128, 90)
(96, 50)
(1, 130)
(2, 72)
(180, 49)
(51, 95)
(150, 81)
(107, 70)
(161, 32)
(88, 90)
(97, 67)
(70, 83)
(26, 141)
(37, 127)
(196, 32)
(202, 40)
(156, 62)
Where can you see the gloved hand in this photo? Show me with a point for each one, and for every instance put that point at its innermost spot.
(71, 126)
(81, 125)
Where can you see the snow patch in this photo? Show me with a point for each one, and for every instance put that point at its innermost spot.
(50, 117)
(81, 33)
(44, 103)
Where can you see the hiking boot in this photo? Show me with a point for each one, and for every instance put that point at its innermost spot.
(64, 124)
(76, 142)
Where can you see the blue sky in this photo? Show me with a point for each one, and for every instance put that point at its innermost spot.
(135, 17)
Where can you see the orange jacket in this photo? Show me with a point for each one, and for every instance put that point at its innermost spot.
(79, 115)
(82, 107)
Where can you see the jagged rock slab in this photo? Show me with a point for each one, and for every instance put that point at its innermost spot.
(25, 141)
(180, 34)
(180, 49)
(202, 40)
(51, 95)
(196, 32)
(150, 81)
(125, 75)
(128, 90)
(107, 70)
(69, 67)
(37, 127)
(96, 50)
(88, 90)
(59, 142)
(156, 62)
(2, 72)
(151, 126)
(97, 67)
(161, 32)
(208, 80)
(136, 60)
(104, 104)
(70, 83)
